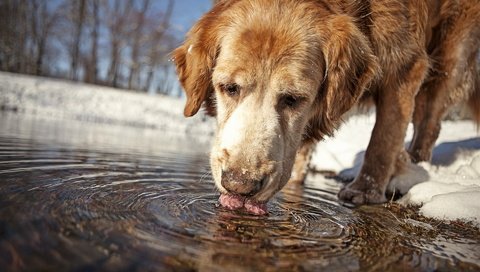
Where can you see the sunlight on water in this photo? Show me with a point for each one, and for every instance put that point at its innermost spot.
(90, 197)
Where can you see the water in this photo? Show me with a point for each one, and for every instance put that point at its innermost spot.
(77, 196)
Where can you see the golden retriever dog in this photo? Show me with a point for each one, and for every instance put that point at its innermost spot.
(279, 74)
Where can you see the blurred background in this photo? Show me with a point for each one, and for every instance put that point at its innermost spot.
(117, 43)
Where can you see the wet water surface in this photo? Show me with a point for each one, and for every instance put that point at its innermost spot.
(79, 196)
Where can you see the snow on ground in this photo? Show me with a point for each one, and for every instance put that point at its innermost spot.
(447, 188)
(50, 98)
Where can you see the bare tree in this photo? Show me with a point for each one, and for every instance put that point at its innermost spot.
(42, 20)
(36, 36)
(138, 37)
(22, 37)
(117, 27)
(91, 64)
(25, 33)
(78, 18)
(13, 35)
(155, 54)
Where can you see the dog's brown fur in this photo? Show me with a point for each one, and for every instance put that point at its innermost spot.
(414, 59)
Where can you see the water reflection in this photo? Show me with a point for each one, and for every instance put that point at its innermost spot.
(75, 196)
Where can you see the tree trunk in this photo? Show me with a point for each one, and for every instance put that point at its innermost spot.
(117, 28)
(114, 59)
(42, 21)
(91, 71)
(23, 37)
(79, 20)
(154, 56)
(137, 37)
(40, 53)
(34, 22)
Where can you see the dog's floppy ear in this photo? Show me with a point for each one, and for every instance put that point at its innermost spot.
(349, 67)
(195, 60)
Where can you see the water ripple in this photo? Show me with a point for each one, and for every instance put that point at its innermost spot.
(86, 208)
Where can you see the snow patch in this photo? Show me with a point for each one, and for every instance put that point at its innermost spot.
(414, 174)
(60, 99)
(466, 205)
(451, 192)
(447, 188)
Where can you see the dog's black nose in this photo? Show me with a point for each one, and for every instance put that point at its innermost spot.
(242, 184)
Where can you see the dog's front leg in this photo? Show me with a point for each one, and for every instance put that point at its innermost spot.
(302, 161)
(394, 108)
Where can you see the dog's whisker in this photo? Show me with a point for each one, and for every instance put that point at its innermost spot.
(204, 175)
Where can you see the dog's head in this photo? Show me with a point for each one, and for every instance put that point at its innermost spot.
(275, 73)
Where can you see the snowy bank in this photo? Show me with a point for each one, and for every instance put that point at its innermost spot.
(447, 188)
(451, 192)
(60, 99)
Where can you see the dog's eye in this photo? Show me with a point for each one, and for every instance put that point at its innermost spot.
(231, 89)
(290, 101)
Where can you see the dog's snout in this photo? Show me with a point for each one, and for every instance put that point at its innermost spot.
(242, 184)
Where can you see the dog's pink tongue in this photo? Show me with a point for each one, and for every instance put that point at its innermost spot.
(231, 202)
(235, 202)
(255, 207)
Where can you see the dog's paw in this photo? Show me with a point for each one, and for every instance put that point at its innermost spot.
(359, 195)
